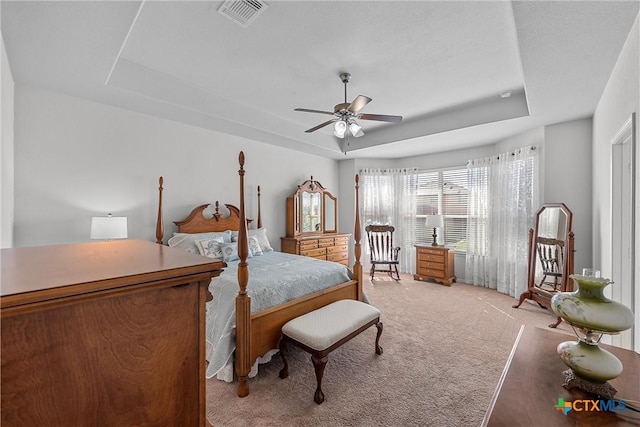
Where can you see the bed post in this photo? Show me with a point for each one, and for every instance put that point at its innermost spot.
(259, 225)
(159, 221)
(243, 302)
(357, 266)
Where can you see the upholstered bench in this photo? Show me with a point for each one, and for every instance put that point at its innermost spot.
(321, 331)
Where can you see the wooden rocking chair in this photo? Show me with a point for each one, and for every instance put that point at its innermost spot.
(383, 253)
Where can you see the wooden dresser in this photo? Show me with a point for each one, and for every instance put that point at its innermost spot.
(530, 387)
(435, 263)
(330, 247)
(106, 333)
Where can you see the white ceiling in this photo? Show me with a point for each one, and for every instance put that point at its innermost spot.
(440, 65)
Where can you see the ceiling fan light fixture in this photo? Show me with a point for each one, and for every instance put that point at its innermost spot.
(355, 129)
(339, 128)
(346, 112)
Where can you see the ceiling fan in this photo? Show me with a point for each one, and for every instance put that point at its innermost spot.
(347, 113)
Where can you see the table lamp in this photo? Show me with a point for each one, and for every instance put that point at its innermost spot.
(434, 221)
(109, 227)
(591, 315)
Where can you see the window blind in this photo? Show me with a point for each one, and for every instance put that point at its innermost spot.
(443, 192)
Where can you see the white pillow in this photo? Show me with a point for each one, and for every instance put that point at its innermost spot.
(229, 252)
(187, 241)
(263, 240)
(254, 246)
(211, 247)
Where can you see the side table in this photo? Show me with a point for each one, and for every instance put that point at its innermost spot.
(435, 263)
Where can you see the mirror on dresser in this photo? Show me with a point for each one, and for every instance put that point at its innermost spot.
(551, 247)
(312, 224)
(311, 209)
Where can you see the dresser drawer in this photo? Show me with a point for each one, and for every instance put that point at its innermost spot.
(339, 241)
(308, 244)
(315, 253)
(338, 249)
(338, 257)
(323, 243)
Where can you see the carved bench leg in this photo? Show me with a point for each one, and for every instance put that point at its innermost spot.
(284, 372)
(378, 348)
(319, 364)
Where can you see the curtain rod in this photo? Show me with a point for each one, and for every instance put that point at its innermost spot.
(389, 170)
(513, 153)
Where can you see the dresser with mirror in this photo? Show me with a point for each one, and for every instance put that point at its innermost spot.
(312, 224)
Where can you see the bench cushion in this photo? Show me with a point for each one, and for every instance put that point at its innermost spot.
(321, 328)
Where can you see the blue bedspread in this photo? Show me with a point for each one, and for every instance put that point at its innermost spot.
(274, 278)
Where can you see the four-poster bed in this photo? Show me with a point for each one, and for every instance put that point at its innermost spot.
(257, 331)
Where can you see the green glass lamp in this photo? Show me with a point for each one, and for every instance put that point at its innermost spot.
(591, 315)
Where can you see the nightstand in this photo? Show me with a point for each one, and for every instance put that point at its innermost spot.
(435, 263)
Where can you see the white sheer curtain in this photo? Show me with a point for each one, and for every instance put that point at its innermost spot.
(389, 197)
(503, 198)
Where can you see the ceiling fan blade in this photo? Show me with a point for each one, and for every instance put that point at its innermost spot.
(306, 110)
(358, 104)
(321, 125)
(380, 117)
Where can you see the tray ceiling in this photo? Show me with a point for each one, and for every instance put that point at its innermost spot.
(440, 65)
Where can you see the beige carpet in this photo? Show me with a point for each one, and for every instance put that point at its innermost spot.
(444, 351)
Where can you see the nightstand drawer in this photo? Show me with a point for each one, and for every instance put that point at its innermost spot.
(424, 265)
(427, 257)
(436, 274)
(431, 251)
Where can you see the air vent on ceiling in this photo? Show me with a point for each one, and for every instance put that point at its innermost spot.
(243, 12)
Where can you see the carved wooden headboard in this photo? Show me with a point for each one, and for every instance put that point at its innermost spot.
(197, 222)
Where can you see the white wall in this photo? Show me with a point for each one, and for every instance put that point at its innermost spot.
(567, 174)
(6, 151)
(620, 98)
(75, 159)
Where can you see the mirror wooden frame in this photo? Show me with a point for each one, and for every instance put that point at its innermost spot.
(330, 216)
(295, 210)
(534, 292)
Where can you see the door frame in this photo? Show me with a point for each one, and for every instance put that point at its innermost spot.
(625, 135)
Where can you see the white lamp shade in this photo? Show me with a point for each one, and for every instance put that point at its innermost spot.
(434, 221)
(339, 128)
(355, 129)
(109, 227)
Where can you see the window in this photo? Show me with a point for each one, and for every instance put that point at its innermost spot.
(443, 192)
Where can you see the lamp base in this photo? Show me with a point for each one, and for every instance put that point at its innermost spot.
(571, 381)
(435, 237)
